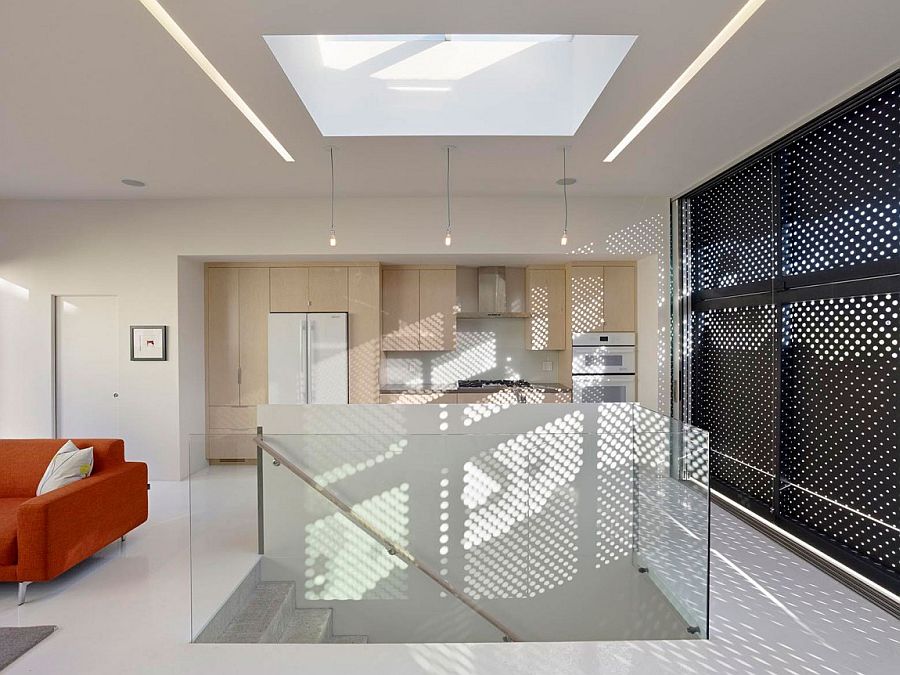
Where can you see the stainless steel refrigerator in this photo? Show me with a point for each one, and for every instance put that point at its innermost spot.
(308, 358)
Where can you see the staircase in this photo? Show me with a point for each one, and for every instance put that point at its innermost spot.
(267, 612)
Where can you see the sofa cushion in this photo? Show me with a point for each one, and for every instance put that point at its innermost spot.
(23, 461)
(9, 547)
(68, 465)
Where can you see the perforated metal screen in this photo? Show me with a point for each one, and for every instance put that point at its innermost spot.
(840, 190)
(733, 394)
(839, 422)
(794, 375)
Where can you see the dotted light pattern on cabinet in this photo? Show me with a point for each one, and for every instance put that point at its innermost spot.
(840, 432)
(733, 394)
(839, 190)
(731, 230)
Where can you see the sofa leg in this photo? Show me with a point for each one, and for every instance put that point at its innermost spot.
(22, 586)
(122, 539)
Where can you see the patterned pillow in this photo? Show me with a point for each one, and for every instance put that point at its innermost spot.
(68, 465)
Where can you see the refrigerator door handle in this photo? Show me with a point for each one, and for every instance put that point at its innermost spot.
(309, 359)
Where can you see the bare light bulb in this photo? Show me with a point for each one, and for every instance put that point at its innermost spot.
(564, 239)
(332, 240)
(447, 239)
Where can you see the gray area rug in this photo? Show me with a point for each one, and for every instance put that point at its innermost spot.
(16, 641)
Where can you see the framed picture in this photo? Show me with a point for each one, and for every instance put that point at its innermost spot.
(148, 343)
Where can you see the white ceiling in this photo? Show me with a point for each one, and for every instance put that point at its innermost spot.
(95, 91)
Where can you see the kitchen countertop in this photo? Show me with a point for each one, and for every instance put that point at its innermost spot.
(544, 387)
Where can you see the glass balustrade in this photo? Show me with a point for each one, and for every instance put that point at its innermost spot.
(593, 526)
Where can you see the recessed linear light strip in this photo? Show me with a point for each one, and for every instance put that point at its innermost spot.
(200, 59)
(717, 43)
(853, 573)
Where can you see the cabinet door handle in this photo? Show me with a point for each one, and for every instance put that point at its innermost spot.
(239, 374)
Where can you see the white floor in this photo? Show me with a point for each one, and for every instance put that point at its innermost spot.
(127, 610)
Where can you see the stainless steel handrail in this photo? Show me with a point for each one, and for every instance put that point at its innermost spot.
(391, 547)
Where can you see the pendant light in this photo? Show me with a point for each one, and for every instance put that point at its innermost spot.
(564, 239)
(332, 240)
(448, 239)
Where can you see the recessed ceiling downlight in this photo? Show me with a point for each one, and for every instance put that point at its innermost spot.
(133, 182)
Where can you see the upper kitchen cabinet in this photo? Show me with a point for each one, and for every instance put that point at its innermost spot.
(437, 311)
(309, 289)
(237, 301)
(586, 298)
(619, 293)
(418, 309)
(545, 301)
(602, 298)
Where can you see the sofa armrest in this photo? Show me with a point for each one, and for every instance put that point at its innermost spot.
(61, 528)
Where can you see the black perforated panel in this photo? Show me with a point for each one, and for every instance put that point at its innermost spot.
(839, 190)
(839, 422)
(733, 394)
(731, 230)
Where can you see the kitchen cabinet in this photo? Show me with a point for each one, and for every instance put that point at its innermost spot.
(437, 316)
(587, 299)
(237, 308)
(619, 295)
(413, 398)
(545, 302)
(364, 332)
(418, 309)
(309, 289)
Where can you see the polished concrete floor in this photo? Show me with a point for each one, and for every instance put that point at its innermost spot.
(127, 610)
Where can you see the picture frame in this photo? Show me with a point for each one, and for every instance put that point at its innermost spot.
(149, 343)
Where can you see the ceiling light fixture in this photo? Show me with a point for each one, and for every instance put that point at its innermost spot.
(448, 239)
(167, 22)
(332, 240)
(565, 182)
(717, 43)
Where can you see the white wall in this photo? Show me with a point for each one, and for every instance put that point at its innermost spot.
(131, 249)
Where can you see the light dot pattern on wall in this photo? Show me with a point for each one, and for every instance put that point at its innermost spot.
(521, 536)
(840, 433)
(839, 190)
(733, 394)
(732, 238)
(344, 563)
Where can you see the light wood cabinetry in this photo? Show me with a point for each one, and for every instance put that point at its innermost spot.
(418, 309)
(364, 300)
(237, 309)
(619, 294)
(416, 399)
(587, 299)
(400, 310)
(253, 294)
(437, 316)
(309, 289)
(289, 289)
(222, 346)
(328, 290)
(545, 301)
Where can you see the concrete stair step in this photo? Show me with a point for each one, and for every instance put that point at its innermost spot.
(265, 616)
(308, 626)
(349, 640)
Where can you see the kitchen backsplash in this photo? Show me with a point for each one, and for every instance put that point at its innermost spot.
(487, 349)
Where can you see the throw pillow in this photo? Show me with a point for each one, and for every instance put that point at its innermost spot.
(68, 465)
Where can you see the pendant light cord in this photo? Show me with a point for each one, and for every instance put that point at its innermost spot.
(565, 195)
(448, 190)
(331, 151)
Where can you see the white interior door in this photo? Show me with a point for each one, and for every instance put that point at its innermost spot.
(87, 366)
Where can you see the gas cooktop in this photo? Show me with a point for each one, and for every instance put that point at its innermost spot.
(477, 384)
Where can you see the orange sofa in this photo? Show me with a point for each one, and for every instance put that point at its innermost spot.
(42, 537)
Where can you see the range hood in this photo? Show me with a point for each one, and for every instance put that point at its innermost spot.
(484, 292)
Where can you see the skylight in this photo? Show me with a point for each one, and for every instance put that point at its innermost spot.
(449, 84)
